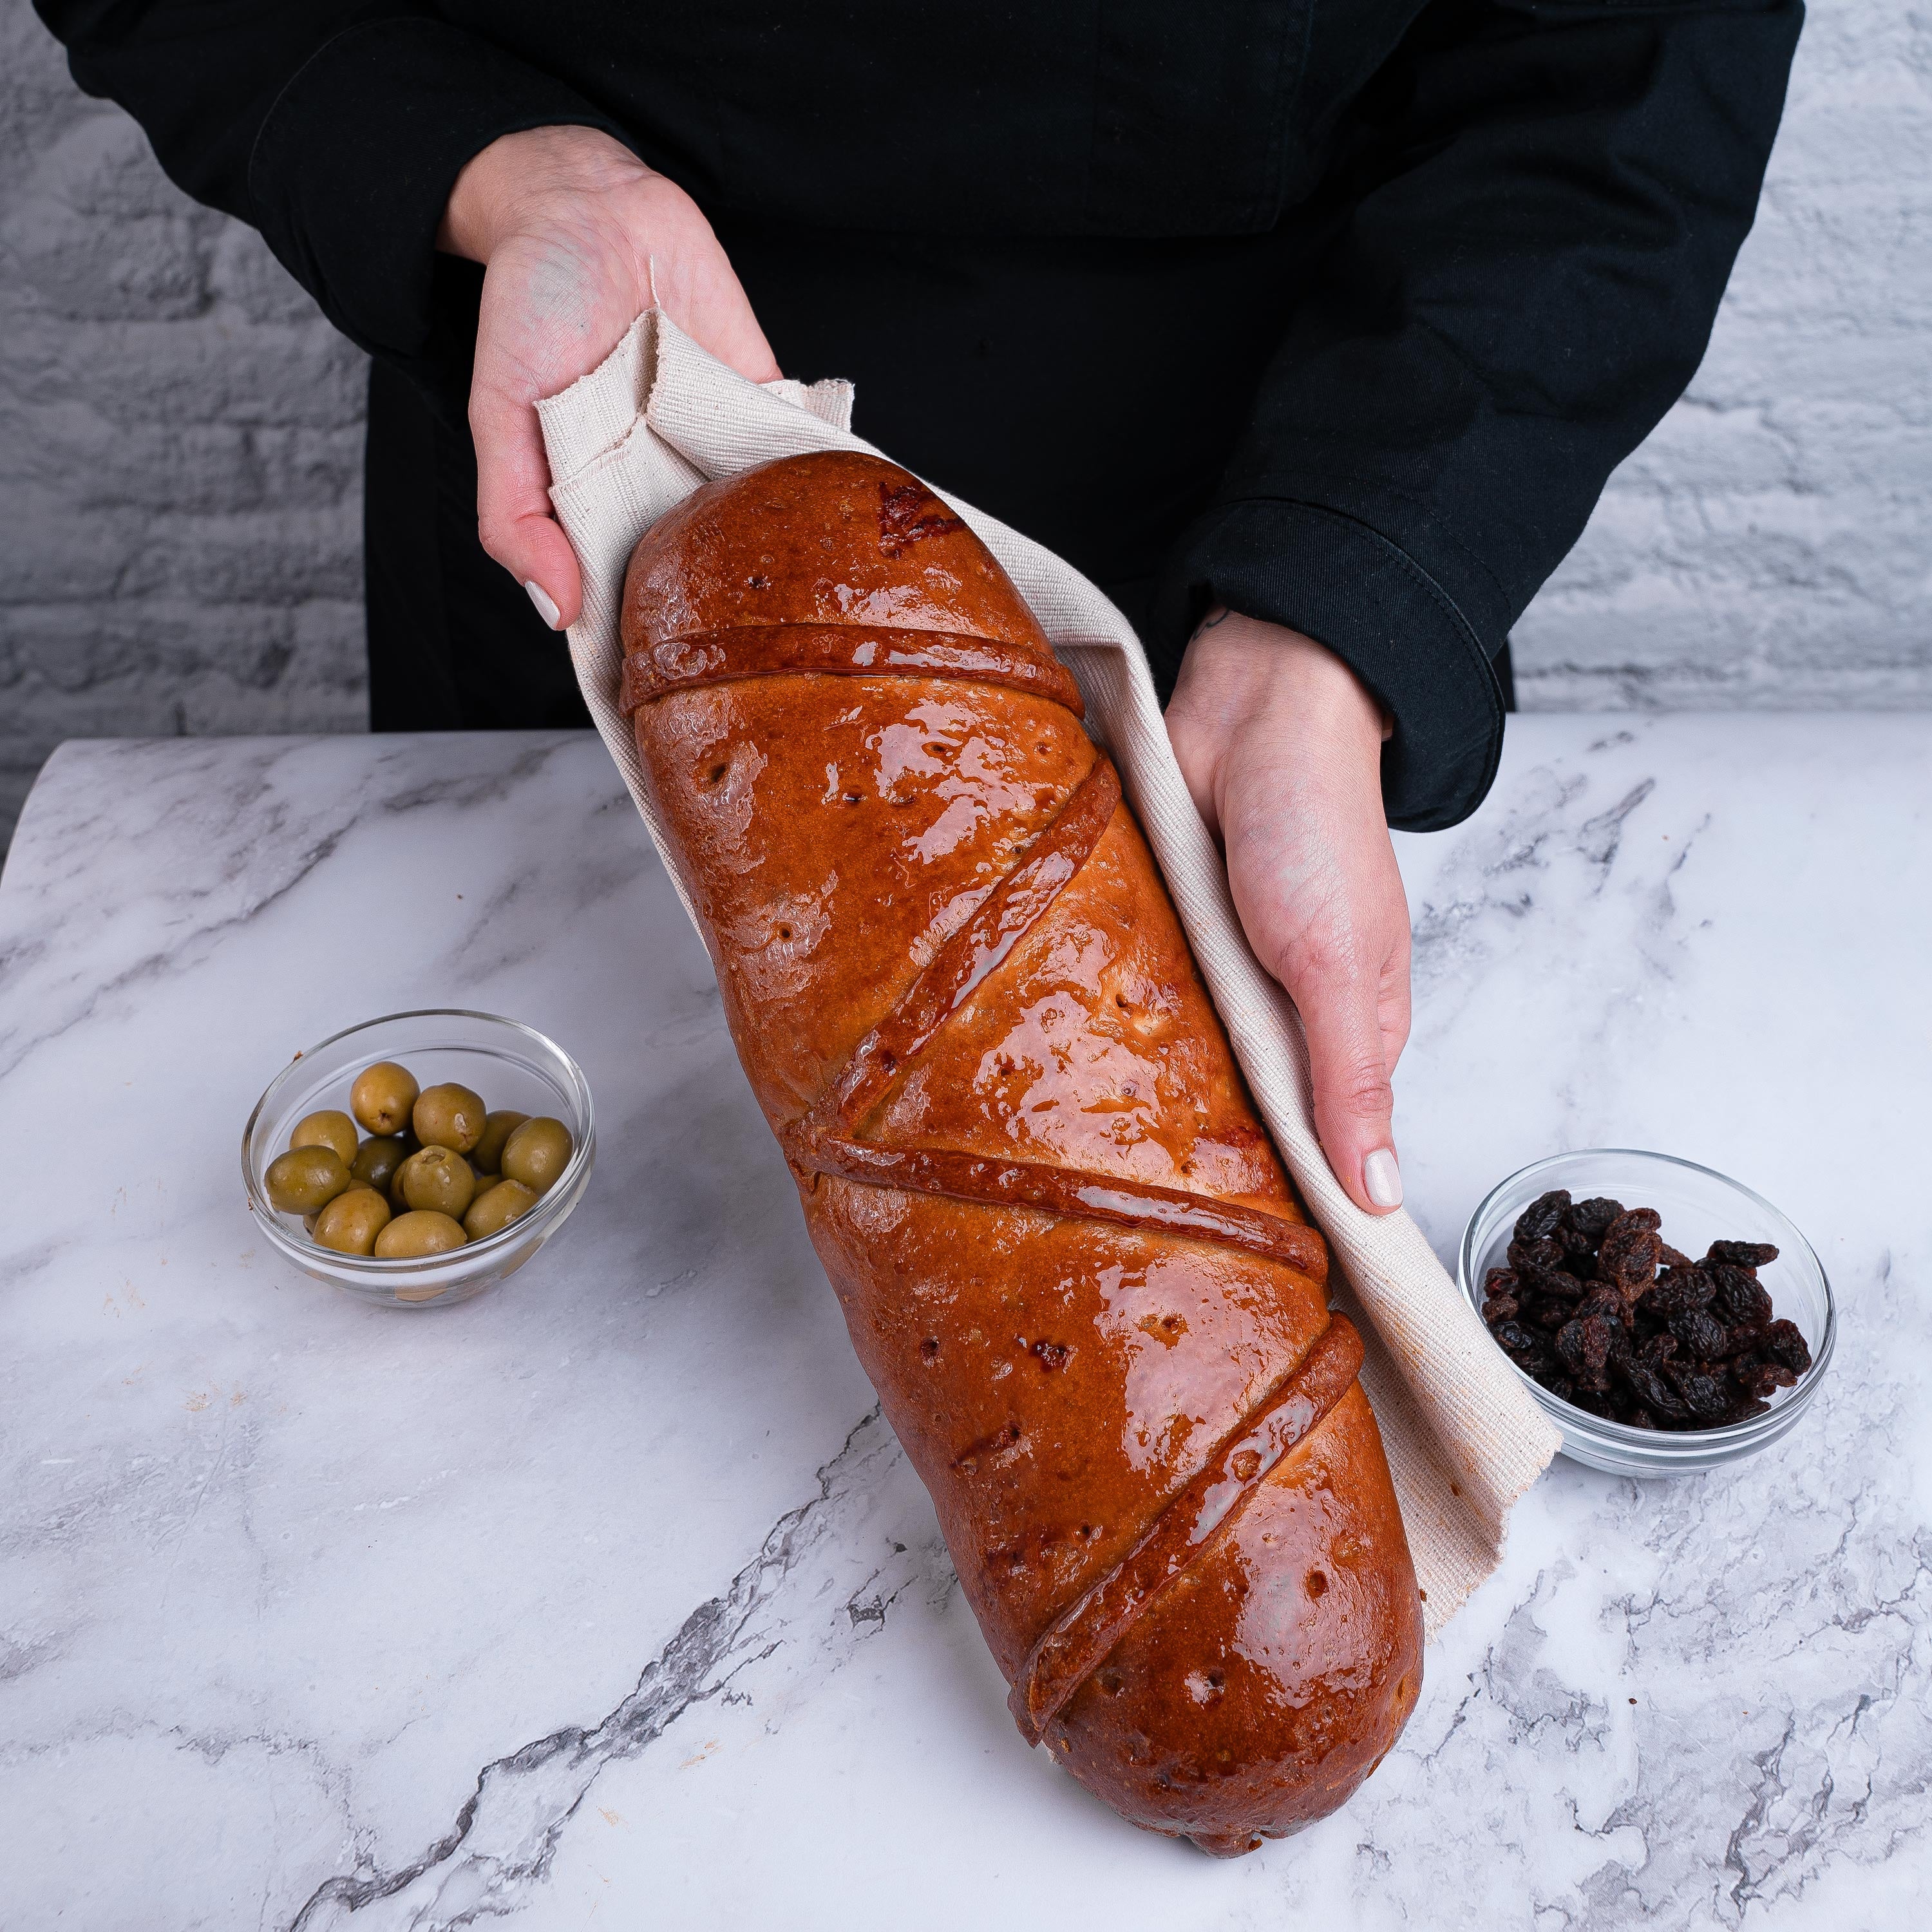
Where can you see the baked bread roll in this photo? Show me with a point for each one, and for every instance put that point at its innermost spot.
(1068, 1256)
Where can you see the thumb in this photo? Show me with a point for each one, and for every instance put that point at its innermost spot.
(514, 521)
(1354, 1102)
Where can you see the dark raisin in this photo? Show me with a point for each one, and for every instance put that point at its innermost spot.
(1759, 1378)
(1554, 1281)
(1740, 1298)
(1583, 1347)
(1501, 1308)
(1499, 1281)
(1657, 1349)
(1742, 1409)
(1590, 1218)
(1575, 1243)
(1700, 1337)
(1545, 1311)
(1672, 1258)
(1786, 1347)
(1569, 1344)
(1741, 1254)
(1678, 1289)
(1649, 1387)
(1633, 1267)
(1631, 1249)
(1527, 1350)
(1648, 1219)
(1543, 1254)
(1540, 1217)
(1541, 1361)
(1704, 1395)
(1606, 1303)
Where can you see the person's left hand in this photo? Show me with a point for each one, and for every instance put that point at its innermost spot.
(1281, 746)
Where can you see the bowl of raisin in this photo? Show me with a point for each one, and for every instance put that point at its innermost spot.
(1665, 1318)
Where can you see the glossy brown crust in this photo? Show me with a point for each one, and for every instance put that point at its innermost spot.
(1068, 1257)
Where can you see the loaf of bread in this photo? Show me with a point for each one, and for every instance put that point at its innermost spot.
(1068, 1256)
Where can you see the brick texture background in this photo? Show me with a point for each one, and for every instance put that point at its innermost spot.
(181, 441)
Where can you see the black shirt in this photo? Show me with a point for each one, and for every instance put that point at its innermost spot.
(1339, 312)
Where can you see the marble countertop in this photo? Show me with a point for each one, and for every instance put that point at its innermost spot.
(608, 1598)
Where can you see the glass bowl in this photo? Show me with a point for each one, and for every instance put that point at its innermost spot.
(1699, 1206)
(511, 1065)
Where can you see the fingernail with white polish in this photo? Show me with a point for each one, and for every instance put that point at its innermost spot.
(541, 598)
(1381, 1179)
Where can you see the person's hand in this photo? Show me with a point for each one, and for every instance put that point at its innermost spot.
(572, 228)
(1281, 746)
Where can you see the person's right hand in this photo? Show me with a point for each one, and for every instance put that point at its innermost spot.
(1281, 745)
(572, 230)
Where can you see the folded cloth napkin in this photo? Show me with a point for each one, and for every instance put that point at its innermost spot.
(660, 417)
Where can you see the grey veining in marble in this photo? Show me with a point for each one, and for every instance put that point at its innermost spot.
(609, 1599)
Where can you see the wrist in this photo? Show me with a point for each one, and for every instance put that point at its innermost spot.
(1253, 696)
(503, 187)
(1243, 669)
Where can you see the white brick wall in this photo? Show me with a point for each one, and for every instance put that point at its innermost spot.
(1768, 545)
(180, 449)
(180, 442)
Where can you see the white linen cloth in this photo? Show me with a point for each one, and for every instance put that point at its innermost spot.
(658, 418)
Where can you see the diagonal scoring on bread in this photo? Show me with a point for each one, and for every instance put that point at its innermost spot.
(1077, 1644)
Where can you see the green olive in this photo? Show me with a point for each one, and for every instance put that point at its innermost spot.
(495, 1207)
(331, 1128)
(350, 1222)
(420, 1233)
(486, 1157)
(411, 1148)
(437, 1181)
(305, 1179)
(537, 1152)
(382, 1097)
(449, 1116)
(377, 1159)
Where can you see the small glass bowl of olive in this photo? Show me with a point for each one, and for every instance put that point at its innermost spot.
(374, 1161)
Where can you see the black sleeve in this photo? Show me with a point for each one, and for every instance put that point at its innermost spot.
(338, 130)
(1536, 210)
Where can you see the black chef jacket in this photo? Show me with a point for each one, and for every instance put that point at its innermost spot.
(1339, 312)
